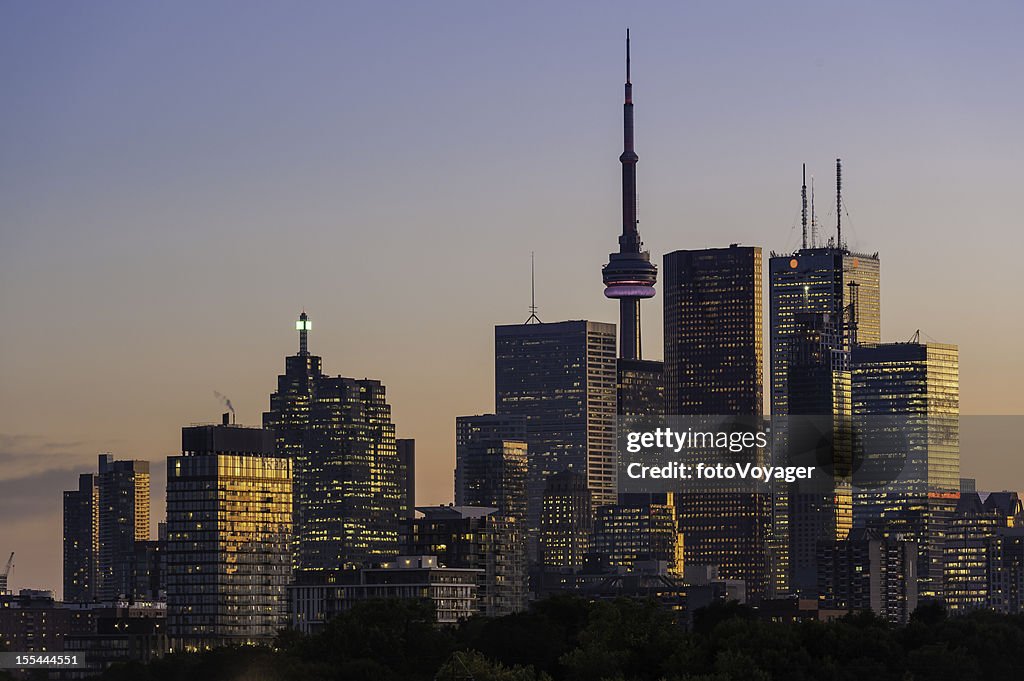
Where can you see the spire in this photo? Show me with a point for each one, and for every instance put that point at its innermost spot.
(803, 205)
(303, 326)
(629, 242)
(627, 60)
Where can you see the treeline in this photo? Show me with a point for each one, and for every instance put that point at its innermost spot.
(571, 639)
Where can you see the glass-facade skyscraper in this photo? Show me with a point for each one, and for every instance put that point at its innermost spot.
(811, 280)
(229, 528)
(81, 540)
(350, 482)
(491, 457)
(906, 407)
(713, 367)
(561, 378)
(105, 520)
(820, 435)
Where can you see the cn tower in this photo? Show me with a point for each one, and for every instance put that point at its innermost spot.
(629, 274)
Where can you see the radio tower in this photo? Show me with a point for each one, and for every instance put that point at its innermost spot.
(629, 274)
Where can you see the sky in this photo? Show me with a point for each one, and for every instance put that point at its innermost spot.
(179, 180)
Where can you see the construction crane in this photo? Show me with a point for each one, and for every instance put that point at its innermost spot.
(6, 572)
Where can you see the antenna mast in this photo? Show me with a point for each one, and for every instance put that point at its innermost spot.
(533, 293)
(854, 303)
(814, 218)
(803, 205)
(839, 203)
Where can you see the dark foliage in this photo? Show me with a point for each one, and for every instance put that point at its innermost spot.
(571, 639)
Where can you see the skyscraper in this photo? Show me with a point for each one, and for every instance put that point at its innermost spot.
(81, 540)
(123, 521)
(713, 365)
(561, 379)
(641, 388)
(229, 527)
(104, 521)
(349, 480)
(906, 408)
(566, 521)
(629, 275)
(820, 435)
(491, 464)
(818, 278)
(407, 466)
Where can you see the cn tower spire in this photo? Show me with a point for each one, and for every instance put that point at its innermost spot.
(629, 275)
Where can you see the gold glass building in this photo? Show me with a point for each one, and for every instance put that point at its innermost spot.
(229, 527)
(906, 408)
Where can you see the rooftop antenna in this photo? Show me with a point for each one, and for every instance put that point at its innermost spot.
(803, 205)
(303, 326)
(533, 318)
(839, 203)
(814, 218)
(854, 303)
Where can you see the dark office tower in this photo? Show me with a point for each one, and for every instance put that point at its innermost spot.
(561, 379)
(478, 538)
(629, 275)
(713, 345)
(407, 467)
(566, 521)
(641, 388)
(641, 527)
(491, 464)
(229, 526)
(906, 406)
(123, 519)
(820, 435)
(81, 540)
(713, 364)
(349, 485)
(813, 279)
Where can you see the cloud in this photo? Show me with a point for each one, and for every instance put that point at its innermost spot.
(36, 494)
(24, 455)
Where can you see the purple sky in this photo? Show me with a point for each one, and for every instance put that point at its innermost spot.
(177, 180)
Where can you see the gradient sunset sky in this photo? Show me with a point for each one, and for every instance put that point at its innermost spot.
(178, 180)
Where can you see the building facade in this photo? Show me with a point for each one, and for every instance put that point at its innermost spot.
(481, 539)
(229, 530)
(813, 280)
(906, 408)
(566, 522)
(640, 528)
(351, 488)
(81, 540)
(561, 379)
(713, 367)
(491, 462)
(104, 521)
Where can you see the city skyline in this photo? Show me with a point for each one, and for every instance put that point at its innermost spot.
(129, 306)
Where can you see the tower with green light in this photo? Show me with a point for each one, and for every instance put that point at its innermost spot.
(349, 481)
